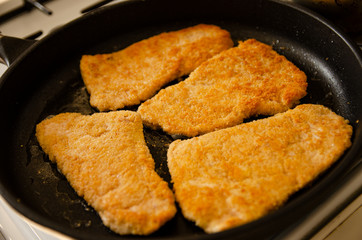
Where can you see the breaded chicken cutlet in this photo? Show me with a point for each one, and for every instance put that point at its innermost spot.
(106, 160)
(236, 175)
(250, 79)
(136, 73)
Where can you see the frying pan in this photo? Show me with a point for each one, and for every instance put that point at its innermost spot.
(45, 80)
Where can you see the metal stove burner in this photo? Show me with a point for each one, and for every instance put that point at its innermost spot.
(32, 19)
(12, 8)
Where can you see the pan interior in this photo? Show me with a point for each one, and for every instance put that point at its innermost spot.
(38, 186)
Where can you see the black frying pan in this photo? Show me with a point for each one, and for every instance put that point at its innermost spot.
(45, 80)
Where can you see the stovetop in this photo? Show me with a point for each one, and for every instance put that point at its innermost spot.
(20, 19)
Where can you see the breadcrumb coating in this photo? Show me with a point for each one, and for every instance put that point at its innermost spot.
(136, 73)
(236, 175)
(106, 160)
(244, 81)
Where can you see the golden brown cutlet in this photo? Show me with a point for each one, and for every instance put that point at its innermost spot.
(250, 79)
(233, 176)
(136, 73)
(106, 160)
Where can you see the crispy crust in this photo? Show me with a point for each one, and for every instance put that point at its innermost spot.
(247, 80)
(136, 73)
(232, 176)
(106, 160)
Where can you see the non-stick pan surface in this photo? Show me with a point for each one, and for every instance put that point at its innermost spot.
(46, 80)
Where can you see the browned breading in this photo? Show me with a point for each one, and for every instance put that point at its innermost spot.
(106, 160)
(136, 73)
(247, 80)
(232, 176)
